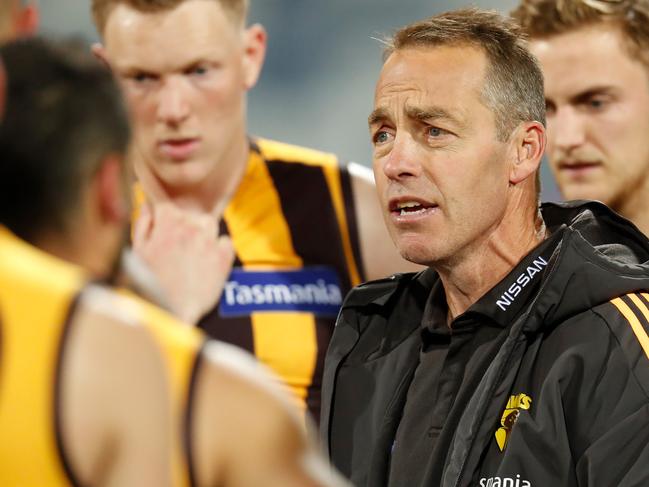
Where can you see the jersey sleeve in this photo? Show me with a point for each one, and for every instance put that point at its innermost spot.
(349, 206)
(616, 400)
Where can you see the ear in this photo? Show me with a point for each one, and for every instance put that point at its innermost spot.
(99, 51)
(27, 20)
(529, 145)
(254, 45)
(111, 191)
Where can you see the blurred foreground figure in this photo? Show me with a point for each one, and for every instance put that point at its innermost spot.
(97, 387)
(18, 18)
(595, 60)
(520, 356)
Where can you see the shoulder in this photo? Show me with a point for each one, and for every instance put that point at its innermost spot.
(281, 152)
(627, 319)
(593, 371)
(27, 267)
(122, 315)
(127, 396)
(255, 419)
(380, 291)
(608, 339)
(126, 308)
(238, 397)
(379, 307)
(108, 342)
(101, 307)
(162, 324)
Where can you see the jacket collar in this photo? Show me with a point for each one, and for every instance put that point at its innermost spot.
(599, 250)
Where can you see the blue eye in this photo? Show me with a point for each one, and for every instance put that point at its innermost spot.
(198, 71)
(435, 131)
(142, 77)
(381, 137)
(596, 103)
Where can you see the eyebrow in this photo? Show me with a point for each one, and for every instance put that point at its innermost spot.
(432, 113)
(377, 115)
(593, 91)
(129, 69)
(417, 113)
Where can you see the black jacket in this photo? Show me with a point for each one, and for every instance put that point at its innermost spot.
(573, 366)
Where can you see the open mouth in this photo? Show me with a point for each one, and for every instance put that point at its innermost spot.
(407, 208)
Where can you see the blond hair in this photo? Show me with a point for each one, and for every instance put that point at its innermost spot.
(546, 18)
(237, 9)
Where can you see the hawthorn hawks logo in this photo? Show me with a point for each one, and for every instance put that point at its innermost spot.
(509, 417)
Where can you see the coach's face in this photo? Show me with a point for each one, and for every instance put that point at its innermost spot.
(185, 72)
(440, 171)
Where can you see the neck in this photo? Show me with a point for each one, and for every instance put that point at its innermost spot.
(212, 194)
(77, 251)
(635, 207)
(489, 259)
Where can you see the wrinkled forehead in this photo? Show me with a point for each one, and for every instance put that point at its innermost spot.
(449, 76)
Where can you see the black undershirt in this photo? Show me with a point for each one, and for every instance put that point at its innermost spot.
(447, 356)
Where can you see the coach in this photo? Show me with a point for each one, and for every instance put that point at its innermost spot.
(520, 356)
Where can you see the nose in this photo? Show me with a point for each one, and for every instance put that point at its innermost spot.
(566, 129)
(173, 107)
(402, 160)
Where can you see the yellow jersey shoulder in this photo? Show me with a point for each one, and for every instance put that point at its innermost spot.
(280, 151)
(20, 260)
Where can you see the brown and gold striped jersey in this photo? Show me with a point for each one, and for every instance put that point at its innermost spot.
(292, 222)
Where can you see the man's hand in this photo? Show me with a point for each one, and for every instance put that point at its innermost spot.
(184, 252)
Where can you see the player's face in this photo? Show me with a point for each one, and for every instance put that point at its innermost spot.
(185, 72)
(598, 115)
(440, 171)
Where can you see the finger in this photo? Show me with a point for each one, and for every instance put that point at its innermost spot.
(143, 225)
(170, 220)
(226, 251)
(206, 222)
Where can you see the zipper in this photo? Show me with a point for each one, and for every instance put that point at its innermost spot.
(524, 319)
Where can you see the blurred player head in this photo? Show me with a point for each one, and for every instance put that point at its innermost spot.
(458, 134)
(595, 58)
(17, 18)
(185, 66)
(62, 181)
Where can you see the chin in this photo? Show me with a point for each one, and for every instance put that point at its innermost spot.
(417, 255)
(184, 176)
(586, 194)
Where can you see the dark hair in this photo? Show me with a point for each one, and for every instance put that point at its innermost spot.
(514, 83)
(64, 115)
